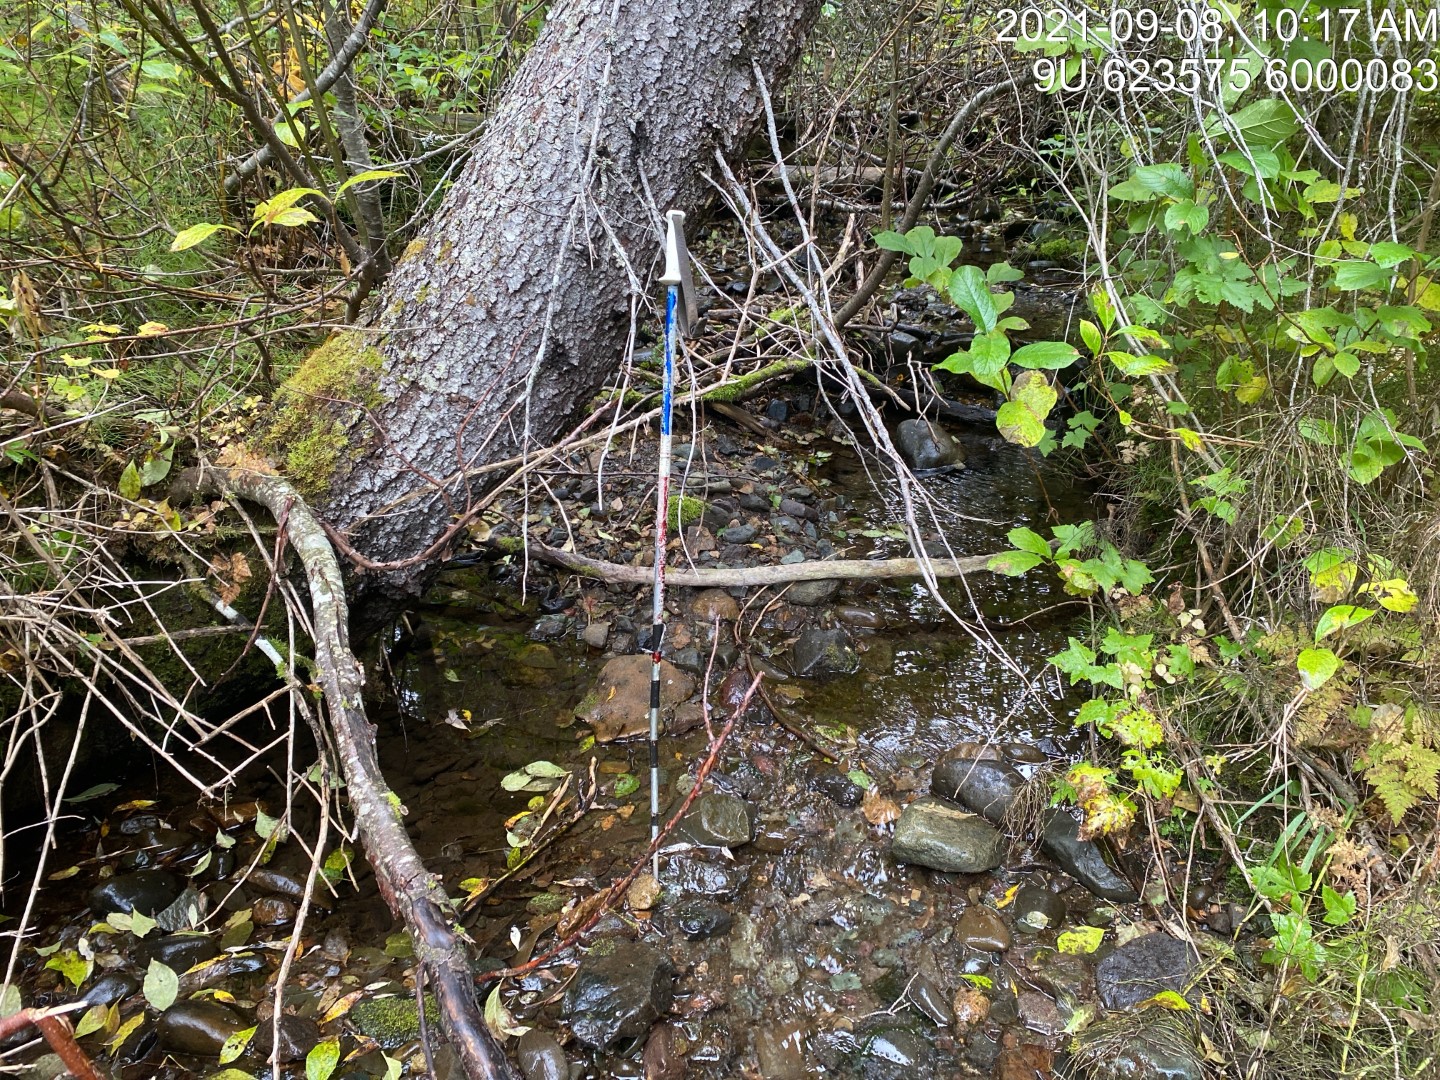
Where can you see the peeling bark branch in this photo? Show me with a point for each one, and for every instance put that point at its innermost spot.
(724, 577)
(412, 892)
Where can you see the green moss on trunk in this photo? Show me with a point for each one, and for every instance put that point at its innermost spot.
(319, 412)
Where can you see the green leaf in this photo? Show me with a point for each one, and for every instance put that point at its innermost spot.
(1352, 276)
(72, 965)
(971, 294)
(161, 986)
(1191, 439)
(94, 792)
(1316, 666)
(626, 784)
(547, 769)
(1166, 178)
(1049, 355)
(1139, 367)
(235, 1045)
(1021, 420)
(156, 466)
(296, 215)
(1318, 430)
(10, 1001)
(1256, 162)
(92, 1021)
(1263, 123)
(197, 234)
(1339, 618)
(322, 1059)
(894, 241)
(365, 177)
(1001, 272)
(1339, 910)
(129, 486)
(1390, 255)
(1084, 939)
(1185, 214)
(265, 211)
(1090, 335)
(859, 779)
(1013, 563)
(1029, 540)
(1131, 190)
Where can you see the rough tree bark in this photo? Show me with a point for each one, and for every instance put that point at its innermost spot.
(503, 320)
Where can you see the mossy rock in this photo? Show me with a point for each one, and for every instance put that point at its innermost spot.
(319, 412)
(394, 1021)
(685, 510)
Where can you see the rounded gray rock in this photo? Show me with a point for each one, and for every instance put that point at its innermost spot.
(937, 834)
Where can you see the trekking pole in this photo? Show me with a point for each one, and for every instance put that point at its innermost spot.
(679, 313)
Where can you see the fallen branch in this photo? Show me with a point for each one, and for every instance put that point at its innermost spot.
(755, 576)
(413, 894)
(58, 1034)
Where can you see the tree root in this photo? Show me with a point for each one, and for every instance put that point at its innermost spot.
(413, 894)
(753, 576)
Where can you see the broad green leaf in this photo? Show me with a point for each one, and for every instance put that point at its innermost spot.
(1021, 420)
(1394, 594)
(893, 241)
(1013, 563)
(92, 1021)
(72, 965)
(859, 779)
(265, 211)
(196, 234)
(1352, 276)
(1340, 617)
(1185, 214)
(156, 466)
(10, 1001)
(1090, 335)
(1138, 367)
(1166, 178)
(1131, 190)
(1339, 910)
(296, 215)
(161, 986)
(1029, 540)
(1167, 999)
(322, 1059)
(1049, 355)
(971, 294)
(1001, 272)
(129, 486)
(235, 1045)
(1262, 123)
(1256, 162)
(626, 784)
(1191, 439)
(1316, 666)
(547, 769)
(1084, 939)
(365, 177)
(1318, 430)
(1390, 255)
(93, 792)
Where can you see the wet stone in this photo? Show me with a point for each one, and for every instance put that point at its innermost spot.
(540, 1056)
(1082, 860)
(983, 929)
(739, 534)
(298, 1037)
(987, 787)
(1039, 1013)
(715, 604)
(863, 617)
(698, 874)
(780, 1050)
(928, 1000)
(146, 891)
(619, 706)
(823, 652)
(717, 820)
(619, 995)
(1141, 968)
(926, 446)
(1036, 909)
(180, 952)
(393, 1021)
(596, 634)
(838, 788)
(110, 988)
(1161, 1050)
(813, 593)
(896, 1053)
(698, 919)
(939, 835)
(272, 911)
(663, 1057)
(198, 1027)
(278, 882)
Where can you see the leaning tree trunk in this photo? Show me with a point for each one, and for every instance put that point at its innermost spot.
(501, 322)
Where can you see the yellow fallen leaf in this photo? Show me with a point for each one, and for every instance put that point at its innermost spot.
(150, 329)
(1167, 999)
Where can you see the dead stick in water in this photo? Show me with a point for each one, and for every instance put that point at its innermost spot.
(413, 894)
(58, 1034)
(751, 576)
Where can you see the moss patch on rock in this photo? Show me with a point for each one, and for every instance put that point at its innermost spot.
(685, 510)
(393, 1021)
(319, 407)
